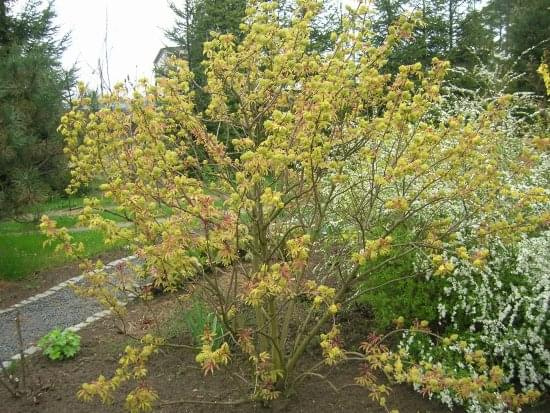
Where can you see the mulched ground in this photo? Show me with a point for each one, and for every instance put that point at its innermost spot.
(176, 375)
(13, 292)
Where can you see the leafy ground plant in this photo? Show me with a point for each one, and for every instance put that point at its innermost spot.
(60, 345)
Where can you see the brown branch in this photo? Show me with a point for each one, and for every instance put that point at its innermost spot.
(212, 403)
(21, 350)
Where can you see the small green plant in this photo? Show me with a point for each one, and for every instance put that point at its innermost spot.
(60, 345)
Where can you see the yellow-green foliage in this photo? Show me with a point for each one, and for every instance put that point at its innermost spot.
(319, 138)
(545, 73)
(132, 366)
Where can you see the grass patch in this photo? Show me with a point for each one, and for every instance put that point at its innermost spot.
(67, 221)
(11, 227)
(21, 243)
(58, 202)
(23, 254)
(193, 320)
(8, 227)
(112, 217)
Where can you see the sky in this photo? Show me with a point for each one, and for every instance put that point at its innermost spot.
(134, 35)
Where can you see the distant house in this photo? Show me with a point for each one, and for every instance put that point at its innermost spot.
(166, 52)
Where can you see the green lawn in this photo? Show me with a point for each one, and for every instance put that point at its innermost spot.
(23, 254)
(58, 202)
(67, 221)
(21, 243)
(9, 227)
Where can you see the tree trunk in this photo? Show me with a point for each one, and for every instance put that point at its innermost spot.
(451, 24)
(4, 22)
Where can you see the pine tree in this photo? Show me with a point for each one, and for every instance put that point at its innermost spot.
(430, 39)
(33, 91)
(499, 16)
(195, 21)
(475, 42)
(529, 41)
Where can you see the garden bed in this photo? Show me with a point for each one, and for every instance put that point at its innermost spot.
(176, 375)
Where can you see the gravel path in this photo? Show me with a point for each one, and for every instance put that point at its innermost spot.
(60, 308)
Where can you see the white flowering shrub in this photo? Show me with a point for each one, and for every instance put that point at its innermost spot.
(456, 358)
(496, 293)
(496, 300)
(505, 307)
(498, 311)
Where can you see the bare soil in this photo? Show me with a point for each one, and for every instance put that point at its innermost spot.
(11, 292)
(180, 383)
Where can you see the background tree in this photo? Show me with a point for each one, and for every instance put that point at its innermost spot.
(33, 91)
(474, 41)
(195, 21)
(529, 41)
(4, 21)
(430, 39)
(504, 34)
(499, 14)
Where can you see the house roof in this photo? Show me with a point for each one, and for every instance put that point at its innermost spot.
(167, 51)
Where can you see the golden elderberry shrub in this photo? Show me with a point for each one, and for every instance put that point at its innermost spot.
(331, 159)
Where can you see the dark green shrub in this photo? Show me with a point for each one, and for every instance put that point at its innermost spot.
(398, 291)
